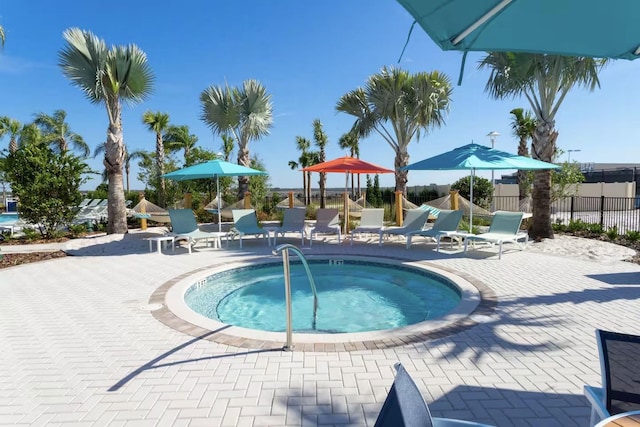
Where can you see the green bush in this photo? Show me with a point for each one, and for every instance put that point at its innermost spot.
(31, 233)
(632, 235)
(576, 226)
(612, 233)
(595, 228)
(77, 230)
(559, 227)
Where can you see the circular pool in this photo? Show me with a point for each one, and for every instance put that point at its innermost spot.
(359, 299)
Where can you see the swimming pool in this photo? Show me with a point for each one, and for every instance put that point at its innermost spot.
(8, 217)
(353, 296)
(180, 316)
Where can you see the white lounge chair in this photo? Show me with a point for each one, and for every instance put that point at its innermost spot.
(446, 223)
(327, 222)
(185, 227)
(371, 221)
(292, 222)
(245, 222)
(414, 220)
(504, 228)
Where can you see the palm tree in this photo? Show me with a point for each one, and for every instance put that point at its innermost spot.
(303, 145)
(58, 132)
(523, 125)
(30, 134)
(138, 154)
(158, 123)
(179, 138)
(13, 128)
(408, 103)
(321, 140)
(350, 141)
(227, 146)
(108, 76)
(545, 80)
(246, 113)
(2, 36)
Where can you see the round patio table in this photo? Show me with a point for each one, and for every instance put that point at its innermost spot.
(626, 419)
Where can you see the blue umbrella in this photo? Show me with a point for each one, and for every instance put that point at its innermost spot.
(478, 157)
(213, 169)
(592, 28)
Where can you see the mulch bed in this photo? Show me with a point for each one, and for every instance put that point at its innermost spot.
(10, 260)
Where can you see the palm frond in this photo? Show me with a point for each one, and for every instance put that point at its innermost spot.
(218, 109)
(82, 61)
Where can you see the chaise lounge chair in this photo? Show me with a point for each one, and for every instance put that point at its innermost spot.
(405, 406)
(446, 225)
(371, 221)
(245, 222)
(414, 220)
(185, 227)
(504, 228)
(327, 222)
(293, 222)
(620, 369)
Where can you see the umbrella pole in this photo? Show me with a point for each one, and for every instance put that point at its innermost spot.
(219, 203)
(346, 204)
(471, 200)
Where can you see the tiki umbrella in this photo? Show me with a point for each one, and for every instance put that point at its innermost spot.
(475, 157)
(213, 169)
(347, 165)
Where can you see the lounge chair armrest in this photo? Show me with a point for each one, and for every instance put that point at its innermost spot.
(595, 396)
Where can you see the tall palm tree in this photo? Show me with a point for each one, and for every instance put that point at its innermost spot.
(350, 141)
(2, 36)
(398, 106)
(545, 81)
(303, 145)
(108, 76)
(13, 128)
(158, 123)
(523, 125)
(130, 155)
(246, 113)
(320, 139)
(180, 138)
(57, 132)
(30, 134)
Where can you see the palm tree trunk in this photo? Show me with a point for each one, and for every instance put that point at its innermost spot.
(308, 188)
(304, 187)
(543, 148)
(322, 182)
(113, 161)
(244, 160)
(402, 159)
(160, 167)
(523, 182)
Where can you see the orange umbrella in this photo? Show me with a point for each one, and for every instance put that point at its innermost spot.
(347, 165)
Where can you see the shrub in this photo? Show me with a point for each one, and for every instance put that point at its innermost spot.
(576, 226)
(559, 227)
(30, 233)
(595, 228)
(77, 229)
(632, 235)
(612, 233)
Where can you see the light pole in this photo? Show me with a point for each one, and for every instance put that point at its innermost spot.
(569, 154)
(492, 136)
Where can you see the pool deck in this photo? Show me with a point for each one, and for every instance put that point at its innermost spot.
(78, 345)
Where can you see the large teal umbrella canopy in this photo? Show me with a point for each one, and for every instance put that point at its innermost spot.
(213, 169)
(478, 157)
(592, 28)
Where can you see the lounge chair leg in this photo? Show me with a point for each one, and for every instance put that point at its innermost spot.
(500, 250)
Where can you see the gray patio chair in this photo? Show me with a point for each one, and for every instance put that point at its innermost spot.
(620, 370)
(446, 221)
(327, 222)
(292, 222)
(405, 406)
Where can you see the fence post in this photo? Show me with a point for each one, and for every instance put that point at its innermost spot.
(602, 211)
(572, 208)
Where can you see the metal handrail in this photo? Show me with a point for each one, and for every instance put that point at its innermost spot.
(285, 248)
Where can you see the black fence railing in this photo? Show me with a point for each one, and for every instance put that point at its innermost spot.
(622, 212)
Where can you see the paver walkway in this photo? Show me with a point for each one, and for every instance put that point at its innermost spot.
(76, 347)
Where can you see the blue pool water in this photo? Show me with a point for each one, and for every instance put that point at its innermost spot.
(7, 217)
(354, 297)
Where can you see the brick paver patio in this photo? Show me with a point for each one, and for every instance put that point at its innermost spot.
(78, 348)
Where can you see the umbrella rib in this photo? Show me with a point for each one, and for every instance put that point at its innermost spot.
(497, 8)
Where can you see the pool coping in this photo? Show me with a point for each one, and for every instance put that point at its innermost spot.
(193, 324)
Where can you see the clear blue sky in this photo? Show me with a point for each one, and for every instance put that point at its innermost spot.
(307, 55)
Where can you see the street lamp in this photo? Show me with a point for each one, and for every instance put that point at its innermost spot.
(492, 136)
(569, 154)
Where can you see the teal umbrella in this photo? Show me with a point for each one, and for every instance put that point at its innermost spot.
(478, 157)
(213, 169)
(594, 28)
